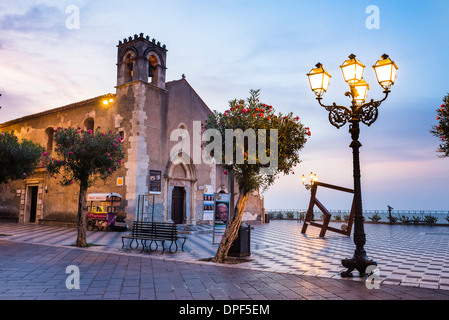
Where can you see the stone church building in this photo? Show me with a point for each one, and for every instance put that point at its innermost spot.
(145, 110)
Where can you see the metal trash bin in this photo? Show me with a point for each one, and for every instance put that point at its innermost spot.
(267, 218)
(241, 247)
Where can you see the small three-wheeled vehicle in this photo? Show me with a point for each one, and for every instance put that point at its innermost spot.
(102, 211)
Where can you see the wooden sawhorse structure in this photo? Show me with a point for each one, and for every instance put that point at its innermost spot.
(327, 216)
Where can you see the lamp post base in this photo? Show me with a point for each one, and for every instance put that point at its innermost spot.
(358, 262)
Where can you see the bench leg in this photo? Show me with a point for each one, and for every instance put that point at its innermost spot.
(185, 239)
(151, 246)
(176, 245)
(130, 244)
(157, 246)
(163, 246)
(137, 244)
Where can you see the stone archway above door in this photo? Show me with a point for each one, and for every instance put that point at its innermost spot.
(178, 174)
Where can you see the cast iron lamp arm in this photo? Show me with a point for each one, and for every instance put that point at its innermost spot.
(367, 113)
(338, 115)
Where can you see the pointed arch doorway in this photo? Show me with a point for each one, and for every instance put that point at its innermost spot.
(180, 196)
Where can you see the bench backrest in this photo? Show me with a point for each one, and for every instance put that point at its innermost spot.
(156, 230)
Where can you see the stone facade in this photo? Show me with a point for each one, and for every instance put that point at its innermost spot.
(146, 110)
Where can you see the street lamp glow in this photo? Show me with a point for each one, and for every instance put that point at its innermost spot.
(313, 179)
(106, 101)
(352, 70)
(385, 71)
(319, 80)
(360, 91)
(366, 113)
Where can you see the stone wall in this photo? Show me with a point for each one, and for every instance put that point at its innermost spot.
(55, 202)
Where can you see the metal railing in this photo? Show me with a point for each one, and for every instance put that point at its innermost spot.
(441, 216)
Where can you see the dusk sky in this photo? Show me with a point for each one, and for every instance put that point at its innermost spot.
(226, 48)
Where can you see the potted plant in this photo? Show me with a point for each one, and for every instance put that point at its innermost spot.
(375, 218)
(404, 219)
(393, 219)
(430, 219)
(416, 219)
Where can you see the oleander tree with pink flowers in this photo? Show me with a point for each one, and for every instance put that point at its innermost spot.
(82, 157)
(249, 174)
(18, 159)
(441, 131)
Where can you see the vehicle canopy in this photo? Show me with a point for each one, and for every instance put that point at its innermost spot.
(104, 197)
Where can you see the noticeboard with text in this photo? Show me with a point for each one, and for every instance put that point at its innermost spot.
(208, 206)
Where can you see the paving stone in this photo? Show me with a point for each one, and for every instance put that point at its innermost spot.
(412, 266)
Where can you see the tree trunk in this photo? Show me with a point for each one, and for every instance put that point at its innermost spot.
(232, 228)
(82, 217)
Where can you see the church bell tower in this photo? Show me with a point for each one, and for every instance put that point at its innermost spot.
(140, 58)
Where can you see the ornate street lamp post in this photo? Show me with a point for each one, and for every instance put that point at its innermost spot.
(313, 178)
(359, 111)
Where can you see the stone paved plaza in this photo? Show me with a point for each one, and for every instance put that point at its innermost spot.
(285, 264)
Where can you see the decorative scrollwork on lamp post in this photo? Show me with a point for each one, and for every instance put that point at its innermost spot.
(359, 111)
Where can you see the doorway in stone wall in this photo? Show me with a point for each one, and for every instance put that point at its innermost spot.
(31, 203)
(178, 205)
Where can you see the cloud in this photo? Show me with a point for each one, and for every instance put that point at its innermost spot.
(38, 18)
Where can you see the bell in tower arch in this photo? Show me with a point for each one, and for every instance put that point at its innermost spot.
(130, 68)
(152, 65)
(150, 71)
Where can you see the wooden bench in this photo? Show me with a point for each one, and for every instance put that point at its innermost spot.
(154, 232)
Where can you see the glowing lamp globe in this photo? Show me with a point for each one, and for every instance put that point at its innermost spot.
(319, 80)
(385, 72)
(352, 70)
(360, 91)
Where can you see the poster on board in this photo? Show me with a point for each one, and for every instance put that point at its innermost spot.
(208, 206)
(221, 216)
(155, 182)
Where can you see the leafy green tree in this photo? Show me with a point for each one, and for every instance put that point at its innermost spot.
(284, 137)
(17, 159)
(441, 130)
(82, 158)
